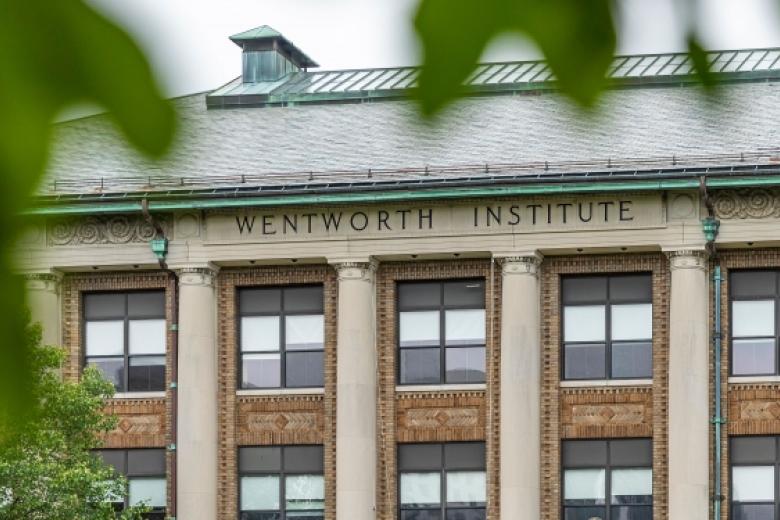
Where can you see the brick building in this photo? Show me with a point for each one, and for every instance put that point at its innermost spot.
(319, 307)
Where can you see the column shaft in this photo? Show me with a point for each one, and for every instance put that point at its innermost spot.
(43, 299)
(520, 431)
(688, 388)
(356, 394)
(197, 441)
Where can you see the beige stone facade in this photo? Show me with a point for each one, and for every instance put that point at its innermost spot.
(521, 247)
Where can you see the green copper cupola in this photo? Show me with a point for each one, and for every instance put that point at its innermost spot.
(269, 56)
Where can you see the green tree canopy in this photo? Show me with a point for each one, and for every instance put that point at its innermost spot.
(47, 469)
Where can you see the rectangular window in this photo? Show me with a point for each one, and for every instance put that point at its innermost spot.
(755, 466)
(144, 470)
(754, 298)
(607, 480)
(282, 337)
(441, 332)
(281, 483)
(442, 481)
(607, 327)
(125, 338)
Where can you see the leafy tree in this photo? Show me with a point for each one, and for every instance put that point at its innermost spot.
(46, 468)
(54, 54)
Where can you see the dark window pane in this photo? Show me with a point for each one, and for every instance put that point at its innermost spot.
(464, 455)
(145, 462)
(253, 301)
(308, 515)
(113, 369)
(635, 288)
(752, 356)
(419, 295)
(421, 514)
(420, 366)
(104, 305)
(584, 361)
(465, 514)
(465, 365)
(261, 459)
(303, 459)
(414, 457)
(580, 289)
(154, 515)
(146, 304)
(749, 450)
(753, 512)
(584, 453)
(304, 299)
(584, 513)
(470, 293)
(146, 374)
(115, 459)
(261, 371)
(304, 369)
(256, 515)
(632, 513)
(632, 360)
(631, 453)
(748, 284)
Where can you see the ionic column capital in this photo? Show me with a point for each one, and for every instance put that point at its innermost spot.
(204, 275)
(520, 264)
(48, 281)
(687, 259)
(355, 271)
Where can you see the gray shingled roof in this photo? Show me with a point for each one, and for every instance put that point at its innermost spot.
(651, 122)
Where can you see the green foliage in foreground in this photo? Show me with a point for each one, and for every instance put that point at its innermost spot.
(576, 37)
(46, 468)
(54, 54)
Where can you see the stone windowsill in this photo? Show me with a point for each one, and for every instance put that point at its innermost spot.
(139, 395)
(754, 379)
(600, 383)
(281, 391)
(440, 388)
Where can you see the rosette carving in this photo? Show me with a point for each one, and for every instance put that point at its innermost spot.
(113, 229)
(748, 203)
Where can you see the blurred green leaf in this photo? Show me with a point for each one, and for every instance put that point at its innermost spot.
(701, 64)
(577, 38)
(54, 54)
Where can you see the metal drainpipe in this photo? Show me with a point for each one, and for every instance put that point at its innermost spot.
(159, 246)
(710, 227)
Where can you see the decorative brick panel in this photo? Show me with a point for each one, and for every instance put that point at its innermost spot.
(606, 413)
(597, 415)
(455, 409)
(143, 423)
(440, 417)
(279, 419)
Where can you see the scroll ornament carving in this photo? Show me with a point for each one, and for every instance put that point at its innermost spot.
(113, 229)
(748, 203)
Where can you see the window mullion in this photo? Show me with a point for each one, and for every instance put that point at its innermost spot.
(126, 340)
(282, 343)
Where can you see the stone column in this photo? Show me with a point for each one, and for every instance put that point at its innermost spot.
(197, 441)
(520, 434)
(356, 380)
(43, 299)
(688, 387)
